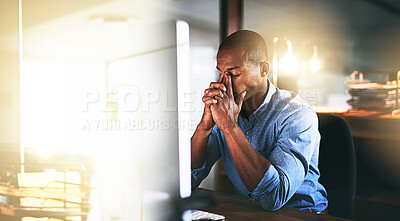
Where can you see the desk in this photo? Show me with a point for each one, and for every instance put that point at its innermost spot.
(236, 208)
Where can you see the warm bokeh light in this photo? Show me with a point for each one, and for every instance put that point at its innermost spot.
(288, 64)
(53, 112)
(44, 152)
(314, 63)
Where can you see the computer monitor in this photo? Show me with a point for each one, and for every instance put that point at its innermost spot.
(149, 89)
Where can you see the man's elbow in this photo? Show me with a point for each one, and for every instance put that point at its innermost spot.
(275, 199)
(271, 205)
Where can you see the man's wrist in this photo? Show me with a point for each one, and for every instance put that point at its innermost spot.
(232, 128)
(205, 127)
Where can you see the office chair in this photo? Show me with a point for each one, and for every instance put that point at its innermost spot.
(337, 164)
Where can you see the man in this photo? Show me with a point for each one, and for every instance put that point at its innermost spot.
(268, 138)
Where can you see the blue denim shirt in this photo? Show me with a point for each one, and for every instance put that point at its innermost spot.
(284, 130)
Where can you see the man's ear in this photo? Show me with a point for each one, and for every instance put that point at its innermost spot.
(264, 68)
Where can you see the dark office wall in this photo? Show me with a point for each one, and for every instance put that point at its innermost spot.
(350, 35)
(375, 32)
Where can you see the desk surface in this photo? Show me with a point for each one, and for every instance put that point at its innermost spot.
(236, 208)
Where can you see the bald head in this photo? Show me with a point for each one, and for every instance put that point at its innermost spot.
(253, 44)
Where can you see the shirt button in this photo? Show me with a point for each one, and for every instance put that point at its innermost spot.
(259, 118)
(248, 132)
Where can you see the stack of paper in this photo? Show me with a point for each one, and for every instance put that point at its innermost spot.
(374, 96)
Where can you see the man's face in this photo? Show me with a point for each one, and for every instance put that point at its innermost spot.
(246, 76)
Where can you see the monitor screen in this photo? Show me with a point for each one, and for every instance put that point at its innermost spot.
(148, 93)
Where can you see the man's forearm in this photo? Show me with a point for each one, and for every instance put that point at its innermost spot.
(199, 146)
(250, 165)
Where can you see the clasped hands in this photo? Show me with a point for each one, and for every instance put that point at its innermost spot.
(221, 107)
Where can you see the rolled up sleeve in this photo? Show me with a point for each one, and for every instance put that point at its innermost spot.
(212, 155)
(290, 160)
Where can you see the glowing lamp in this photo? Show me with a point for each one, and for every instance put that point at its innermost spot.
(314, 63)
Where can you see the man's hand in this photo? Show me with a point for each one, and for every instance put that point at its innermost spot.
(222, 109)
(226, 110)
(202, 134)
(216, 89)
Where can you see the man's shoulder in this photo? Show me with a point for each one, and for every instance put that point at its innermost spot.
(293, 115)
(290, 101)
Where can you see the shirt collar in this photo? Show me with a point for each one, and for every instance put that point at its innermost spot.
(271, 91)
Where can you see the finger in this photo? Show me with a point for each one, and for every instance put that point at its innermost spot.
(212, 107)
(217, 85)
(221, 77)
(206, 92)
(214, 92)
(224, 96)
(228, 84)
(218, 99)
(215, 105)
(205, 98)
(241, 99)
(209, 102)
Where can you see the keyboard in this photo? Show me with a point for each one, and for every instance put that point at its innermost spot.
(203, 215)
